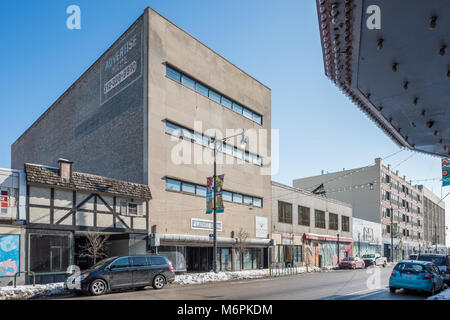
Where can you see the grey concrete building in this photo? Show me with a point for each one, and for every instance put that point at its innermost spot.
(146, 112)
(379, 194)
(434, 228)
(305, 227)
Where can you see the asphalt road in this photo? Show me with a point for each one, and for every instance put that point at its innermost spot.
(367, 284)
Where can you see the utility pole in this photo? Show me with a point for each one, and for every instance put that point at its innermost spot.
(392, 234)
(214, 213)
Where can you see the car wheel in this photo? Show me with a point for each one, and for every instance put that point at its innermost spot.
(433, 290)
(158, 282)
(392, 289)
(98, 287)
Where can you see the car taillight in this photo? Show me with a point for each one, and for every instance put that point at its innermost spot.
(427, 276)
(171, 268)
(393, 274)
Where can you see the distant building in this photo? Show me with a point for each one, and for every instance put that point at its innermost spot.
(380, 195)
(367, 237)
(305, 227)
(434, 228)
(147, 112)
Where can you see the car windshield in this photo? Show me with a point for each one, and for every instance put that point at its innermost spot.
(437, 260)
(349, 259)
(102, 263)
(409, 268)
(368, 256)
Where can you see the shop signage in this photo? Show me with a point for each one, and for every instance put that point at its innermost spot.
(261, 227)
(287, 238)
(202, 224)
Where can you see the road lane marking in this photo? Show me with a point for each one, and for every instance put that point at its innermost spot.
(369, 294)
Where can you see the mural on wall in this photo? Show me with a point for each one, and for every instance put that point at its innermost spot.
(328, 251)
(9, 254)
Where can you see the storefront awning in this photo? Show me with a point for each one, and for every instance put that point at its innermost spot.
(186, 239)
(312, 236)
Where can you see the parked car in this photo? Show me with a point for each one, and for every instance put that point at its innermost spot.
(416, 275)
(442, 261)
(413, 256)
(351, 263)
(125, 272)
(374, 260)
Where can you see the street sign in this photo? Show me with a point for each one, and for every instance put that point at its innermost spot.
(211, 237)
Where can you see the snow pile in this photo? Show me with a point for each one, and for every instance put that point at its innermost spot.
(444, 295)
(29, 291)
(198, 278)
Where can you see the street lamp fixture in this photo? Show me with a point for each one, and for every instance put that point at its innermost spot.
(220, 142)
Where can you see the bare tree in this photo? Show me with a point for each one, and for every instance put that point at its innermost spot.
(241, 245)
(95, 247)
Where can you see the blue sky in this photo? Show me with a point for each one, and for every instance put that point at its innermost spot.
(277, 42)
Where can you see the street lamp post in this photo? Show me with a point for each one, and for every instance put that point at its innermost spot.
(214, 140)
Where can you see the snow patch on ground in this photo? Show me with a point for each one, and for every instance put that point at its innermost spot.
(29, 291)
(444, 295)
(198, 278)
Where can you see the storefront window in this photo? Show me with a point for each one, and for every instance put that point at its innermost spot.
(49, 253)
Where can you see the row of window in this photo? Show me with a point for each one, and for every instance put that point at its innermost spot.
(397, 216)
(198, 138)
(285, 216)
(397, 185)
(388, 196)
(405, 232)
(199, 190)
(212, 94)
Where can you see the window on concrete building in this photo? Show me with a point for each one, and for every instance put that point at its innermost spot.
(173, 185)
(284, 212)
(257, 202)
(173, 129)
(227, 196)
(303, 216)
(214, 96)
(173, 74)
(333, 221)
(237, 108)
(188, 188)
(388, 229)
(200, 191)
(345, 224)
(319, 216)
(237, 197)
(201, 89)
(226, 103)
(188, 82)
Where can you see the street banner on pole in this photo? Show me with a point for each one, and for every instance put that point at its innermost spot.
(209, 195)
(219, 189)
(445, 172)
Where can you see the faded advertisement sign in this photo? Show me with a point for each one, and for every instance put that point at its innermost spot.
(261, 227)
(123, 66)
(9, 254)
(202, 224)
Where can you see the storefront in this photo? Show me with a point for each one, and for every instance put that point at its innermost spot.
(64, 209)
(189, 253)
(322, 251)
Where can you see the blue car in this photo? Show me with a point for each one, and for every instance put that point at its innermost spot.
(416, 275)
